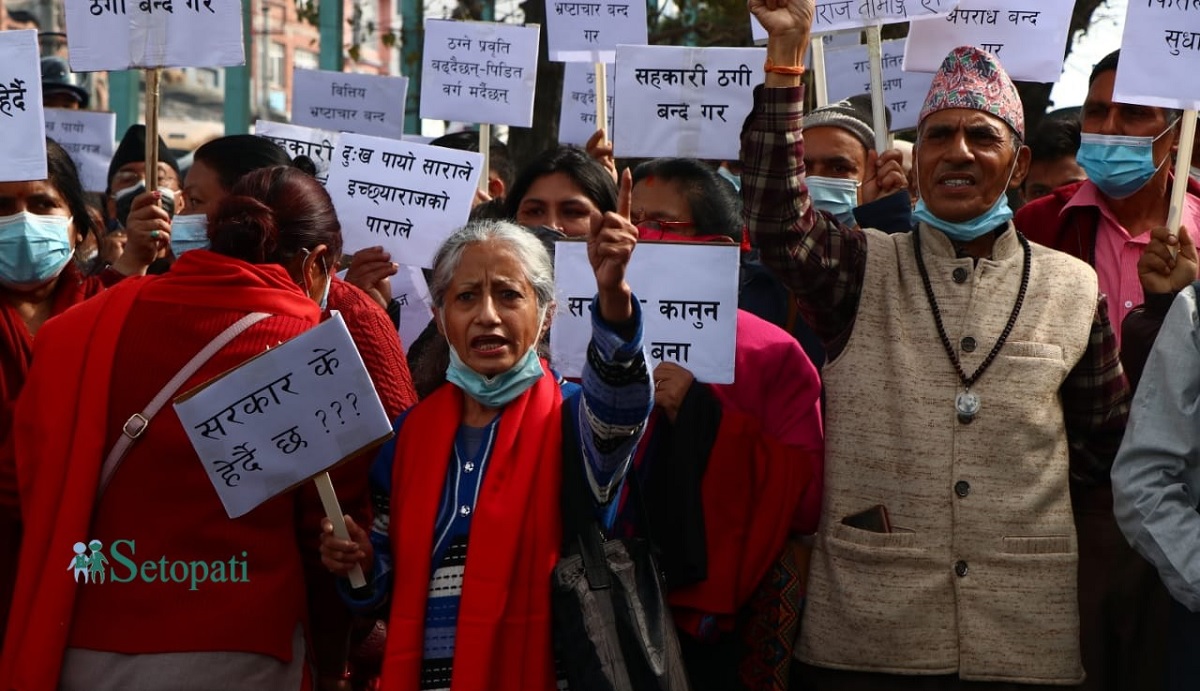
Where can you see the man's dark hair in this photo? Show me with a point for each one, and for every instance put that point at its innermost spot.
(24, 17)
(469, 141)
(1055, 138)
(715, 205)
(1109, 63)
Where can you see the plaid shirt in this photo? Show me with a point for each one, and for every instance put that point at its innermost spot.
(824, 264)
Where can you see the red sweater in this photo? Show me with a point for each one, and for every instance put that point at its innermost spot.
(144, 331)
(1073, 232)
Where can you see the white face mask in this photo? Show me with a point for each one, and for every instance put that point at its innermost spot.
(1195, 174)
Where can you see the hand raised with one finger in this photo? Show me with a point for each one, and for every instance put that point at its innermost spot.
(610, 247)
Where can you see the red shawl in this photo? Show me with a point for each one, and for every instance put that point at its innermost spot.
(503, 640)
(59, 455)
(16, 351)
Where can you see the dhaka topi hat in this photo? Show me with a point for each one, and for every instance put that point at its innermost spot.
(973, 79)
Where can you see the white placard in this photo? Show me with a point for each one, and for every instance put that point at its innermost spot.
(284, 416)
(90, 137)
(838, 15)
(577, 121)
(317, 144)
(848, 73)
(1028, 36)
(406, 197)
(689, 306)
(412, 293)
(482, 72)
(590, 31)
(681, 101)
(1160, 53)
(122, 34)
(22, 123)
(347, 102)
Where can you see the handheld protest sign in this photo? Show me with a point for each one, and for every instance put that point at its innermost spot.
(688, 294)
(333, 511)
(479, 72)
(411, 293)
(89, 136)
(485, 149)
(315, 143)
(406, 197)
(152, 78)
(878, 105)
(125, 34)
(838, 15)
(818, 66)
(22, 121)
(277, 420)
(1183, 160)
(847, 73)
(347, 102)
(682, 101)
(1158, 68)
(590, 31)
(580, 104)
(1028, 36)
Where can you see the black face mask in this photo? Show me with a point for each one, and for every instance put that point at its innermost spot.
(125, 203)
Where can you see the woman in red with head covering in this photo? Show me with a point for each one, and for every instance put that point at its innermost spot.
(272, 241)
(41, 222)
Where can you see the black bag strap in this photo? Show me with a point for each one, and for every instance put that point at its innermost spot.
(581, 530)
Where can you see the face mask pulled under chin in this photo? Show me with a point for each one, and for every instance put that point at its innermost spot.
(999, 214)
(501, 389)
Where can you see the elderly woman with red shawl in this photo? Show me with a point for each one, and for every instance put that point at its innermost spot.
(474, 476)
(41, 223)
(272, 243)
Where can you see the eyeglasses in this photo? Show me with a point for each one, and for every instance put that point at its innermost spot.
(664, 226)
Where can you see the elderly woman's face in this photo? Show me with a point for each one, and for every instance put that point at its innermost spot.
(555, 200)
(490, 314)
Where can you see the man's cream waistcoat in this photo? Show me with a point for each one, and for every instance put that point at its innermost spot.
(979, 579)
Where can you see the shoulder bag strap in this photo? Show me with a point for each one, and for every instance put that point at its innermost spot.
(137, 423)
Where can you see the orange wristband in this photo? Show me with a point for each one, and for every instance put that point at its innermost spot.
(795, 70)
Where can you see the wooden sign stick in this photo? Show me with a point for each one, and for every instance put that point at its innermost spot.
(333, 511)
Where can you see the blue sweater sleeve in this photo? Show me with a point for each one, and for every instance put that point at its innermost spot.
(373, 598)
(615, 403)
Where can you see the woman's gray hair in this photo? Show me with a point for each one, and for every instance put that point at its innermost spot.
(530, 252)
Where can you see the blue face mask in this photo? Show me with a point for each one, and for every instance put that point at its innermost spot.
(1119, 166)
(965, 231)
(33, 249)
(189, 233)
(502, 389)
(835, 196)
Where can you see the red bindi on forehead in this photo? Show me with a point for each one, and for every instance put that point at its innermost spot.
(649, 181)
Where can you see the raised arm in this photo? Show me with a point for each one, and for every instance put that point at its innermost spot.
(617, 395)
(822, 262)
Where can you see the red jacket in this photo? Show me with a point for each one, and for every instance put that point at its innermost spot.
(1074, 232)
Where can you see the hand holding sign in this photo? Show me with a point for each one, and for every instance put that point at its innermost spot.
(342, 555)
(888, 177)
(147, 230)
(599, 148)
(1168, 264)
(609, 249)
